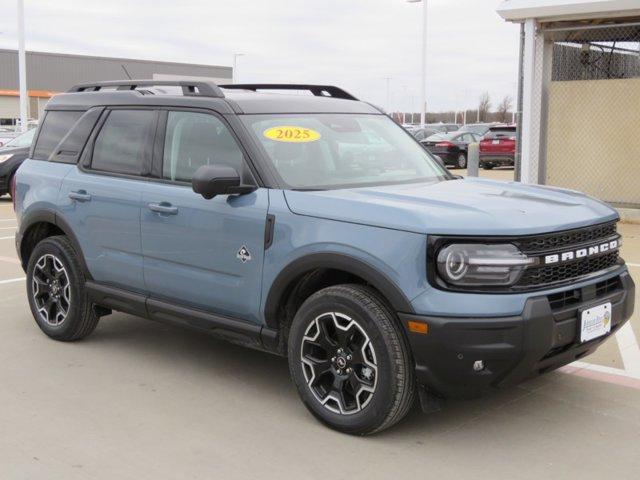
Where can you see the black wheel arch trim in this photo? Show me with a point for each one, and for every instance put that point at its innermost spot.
(335, 261)
(49, 216)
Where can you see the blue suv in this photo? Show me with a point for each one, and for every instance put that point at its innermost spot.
(314, 227)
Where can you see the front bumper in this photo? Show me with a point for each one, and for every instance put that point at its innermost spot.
(544, 337)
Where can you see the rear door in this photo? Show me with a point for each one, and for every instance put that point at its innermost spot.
(101, 197)
(205, 254)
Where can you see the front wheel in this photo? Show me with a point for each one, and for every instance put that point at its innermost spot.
(349, 360)
(55, 287)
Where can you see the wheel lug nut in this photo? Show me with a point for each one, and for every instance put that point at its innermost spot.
(348, 357)
(333, 359)
(349, 370)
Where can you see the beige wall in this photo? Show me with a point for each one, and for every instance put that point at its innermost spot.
(9, 107)
(594, 138)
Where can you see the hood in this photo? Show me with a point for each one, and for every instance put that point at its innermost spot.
(14, 150)
(457, 207)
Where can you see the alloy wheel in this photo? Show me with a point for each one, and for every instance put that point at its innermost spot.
(51, 290)
(339, 363)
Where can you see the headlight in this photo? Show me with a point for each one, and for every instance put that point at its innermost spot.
(4, 158)
(476, 264)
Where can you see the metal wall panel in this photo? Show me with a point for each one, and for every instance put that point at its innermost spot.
(58, 72)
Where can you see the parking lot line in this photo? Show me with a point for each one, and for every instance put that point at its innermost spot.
(7, 238)
(12, 280)
(629, 349)
(633, 264)
(8, 228)
(7, 219)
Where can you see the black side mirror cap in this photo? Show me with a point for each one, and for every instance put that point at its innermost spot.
(212, 180)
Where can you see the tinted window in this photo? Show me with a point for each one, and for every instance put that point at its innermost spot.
(124, 143)
(501, 133)
(56, 125)
(197, 139)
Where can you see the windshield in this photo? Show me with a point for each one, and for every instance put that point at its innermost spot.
(501, 133)
(23, 140)
(330, 150)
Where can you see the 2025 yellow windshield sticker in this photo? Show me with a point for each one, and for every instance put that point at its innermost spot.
(289, 133)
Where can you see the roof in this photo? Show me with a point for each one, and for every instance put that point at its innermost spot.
(240, 102)
(558, 10)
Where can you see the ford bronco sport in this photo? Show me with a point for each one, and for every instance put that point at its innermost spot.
(314, 227)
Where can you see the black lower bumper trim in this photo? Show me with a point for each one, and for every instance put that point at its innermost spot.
(511, 348)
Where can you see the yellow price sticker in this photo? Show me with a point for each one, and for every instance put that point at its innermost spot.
(287, 133)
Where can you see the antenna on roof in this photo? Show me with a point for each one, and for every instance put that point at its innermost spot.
(126, 72)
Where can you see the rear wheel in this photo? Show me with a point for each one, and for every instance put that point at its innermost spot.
(462, 161)
(55, 286)
(349, 360)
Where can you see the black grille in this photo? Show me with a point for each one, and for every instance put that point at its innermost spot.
(534, 277)
(560, 300)
(553, 241)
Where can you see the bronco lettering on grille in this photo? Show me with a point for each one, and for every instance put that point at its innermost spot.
(586, 252)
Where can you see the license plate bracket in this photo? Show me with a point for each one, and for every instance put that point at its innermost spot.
(595, 322)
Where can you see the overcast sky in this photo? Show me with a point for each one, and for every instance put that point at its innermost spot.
(351, 43)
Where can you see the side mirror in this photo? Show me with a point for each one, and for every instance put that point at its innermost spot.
(212, 180)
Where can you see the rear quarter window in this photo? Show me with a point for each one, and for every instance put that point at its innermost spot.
(55, 126)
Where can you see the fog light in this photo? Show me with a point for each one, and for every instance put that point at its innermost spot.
(478, 365)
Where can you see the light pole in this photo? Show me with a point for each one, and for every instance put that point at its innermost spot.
(22, 68)
(235, 66)
(423, 81)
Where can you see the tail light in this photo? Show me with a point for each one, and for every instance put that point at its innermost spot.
(513, 139)
(12, 187)
(445, 145)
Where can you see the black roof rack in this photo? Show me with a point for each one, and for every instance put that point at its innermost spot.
(189, 88)
(317, 90)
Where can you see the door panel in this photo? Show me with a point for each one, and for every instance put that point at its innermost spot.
(104, 213)
(191, 248)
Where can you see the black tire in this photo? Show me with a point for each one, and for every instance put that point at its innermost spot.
(392, 378)
(80, 320)
(461, 161)
(488, 166)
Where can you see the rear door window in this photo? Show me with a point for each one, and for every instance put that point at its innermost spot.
(125, 142)
(55, 126)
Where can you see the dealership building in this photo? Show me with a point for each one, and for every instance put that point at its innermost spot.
(51, 73)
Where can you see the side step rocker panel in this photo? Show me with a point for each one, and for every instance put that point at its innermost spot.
(231, 329)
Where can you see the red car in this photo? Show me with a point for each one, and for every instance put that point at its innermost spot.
(498, 148)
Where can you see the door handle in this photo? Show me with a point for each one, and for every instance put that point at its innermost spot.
(80, 196)
(164, 208)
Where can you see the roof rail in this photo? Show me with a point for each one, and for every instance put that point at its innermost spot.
(317, 90)
(189, 88)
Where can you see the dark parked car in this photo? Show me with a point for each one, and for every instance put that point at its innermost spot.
(444, 127)
(498, 148)
(424, 133)
(451, 147)
(11, 157)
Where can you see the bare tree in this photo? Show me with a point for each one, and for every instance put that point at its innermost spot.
(484, 106)
(504, 108)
